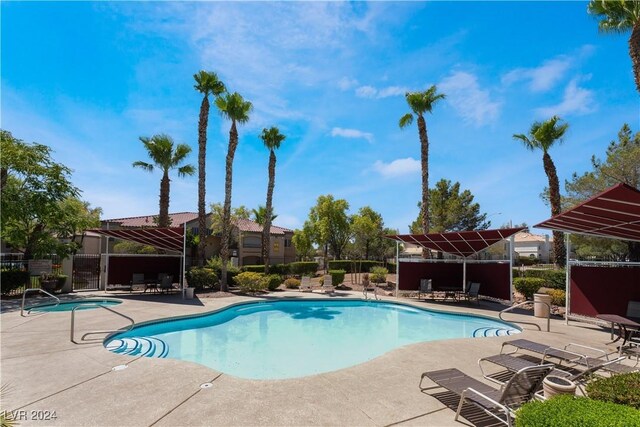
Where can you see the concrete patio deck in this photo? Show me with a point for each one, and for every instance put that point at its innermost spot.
(46, 372)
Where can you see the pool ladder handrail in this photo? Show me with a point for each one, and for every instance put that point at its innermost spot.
(24, 296)
(73, 315)
(529, 323)
(365, 291)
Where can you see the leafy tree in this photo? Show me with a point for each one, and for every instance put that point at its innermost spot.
(160, 149)
(421, 103)
(303, 242)
(620, 16)
(451, 210)
(543, 136)
(217, 219)
(128, 247)
(272, 138)
(330, 225)
(260, 215)
(41, 212)
(234, 108)
(622, 164)
(207, 83)
(367, 228)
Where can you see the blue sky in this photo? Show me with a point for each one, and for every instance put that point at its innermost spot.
(88, 79)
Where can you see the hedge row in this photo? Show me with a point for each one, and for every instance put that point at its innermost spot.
(622, 389)
(555, 279)
(295, 268)
(363, 266)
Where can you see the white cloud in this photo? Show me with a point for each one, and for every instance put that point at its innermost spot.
(345, 83)
(398, 167)
(351, 133)
(468, 99)
(372, 92)
(541, 78)
(575, 100)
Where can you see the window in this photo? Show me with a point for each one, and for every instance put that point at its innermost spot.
(287, 243)
(251, 242)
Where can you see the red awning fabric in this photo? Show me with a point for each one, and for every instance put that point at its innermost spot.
(462, 243)
(170, 238)
(614, 213)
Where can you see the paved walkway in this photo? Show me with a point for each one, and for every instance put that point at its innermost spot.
(46, 372)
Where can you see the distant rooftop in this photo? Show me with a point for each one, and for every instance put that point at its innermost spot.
(525, 236)
(176, 220)
(252, 226)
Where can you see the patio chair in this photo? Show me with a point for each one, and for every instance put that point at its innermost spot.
(471, 292)
(518, 390)
(166, 284)
(633, 311)
(327, 285)
(426, 287)
(136, 279)
(305, 284)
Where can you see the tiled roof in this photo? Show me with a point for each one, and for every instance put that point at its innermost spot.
(176, 220)
(252, 226)
(523, 236)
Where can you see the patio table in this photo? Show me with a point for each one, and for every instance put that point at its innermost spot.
(450, 292)
(623, 323)
(151, 284)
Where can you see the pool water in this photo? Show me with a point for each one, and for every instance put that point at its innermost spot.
(84, 304)
(289, 339)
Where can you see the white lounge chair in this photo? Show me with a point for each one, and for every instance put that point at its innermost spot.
(327, 284)
(305, 284)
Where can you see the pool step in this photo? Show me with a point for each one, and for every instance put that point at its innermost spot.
(492, 331)
(139, 346)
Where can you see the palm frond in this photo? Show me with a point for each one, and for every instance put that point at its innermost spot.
(405, 120)
(207, 82)
(143, 165)
(272, 138)
(180, 153)
(529, 144)
(618, 16)
(232, 106)
(186, 170)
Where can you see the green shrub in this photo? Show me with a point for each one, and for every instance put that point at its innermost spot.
(623, 389)
(13, 279)
(281, 269)
(272, 281)
(352, 266)
(527, 286)
(378, 275)
(201, 277)
(253, 268)
(250, 282)
(215, 264)
(555, 279)
(558, 297)
(391, 266)
(526, 261)
(572, 411)
(337, 277)
(304, 268)
(292, 283)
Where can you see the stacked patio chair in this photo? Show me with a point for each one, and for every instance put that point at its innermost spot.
(499, 403)
(327, 285)
(426, 287)
(305, 284)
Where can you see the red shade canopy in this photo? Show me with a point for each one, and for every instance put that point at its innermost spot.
(614, 213)
(462, 243)
(170, 238)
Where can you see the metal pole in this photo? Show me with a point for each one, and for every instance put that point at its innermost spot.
(397, 267)
(184, 259)
(106, 266)
(511, 244)
(567, 302)
(464, 274)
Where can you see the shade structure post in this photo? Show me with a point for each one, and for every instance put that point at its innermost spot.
(106, 265)
(184, 260)
(511, 245)
(464, 274)
(397, 267)
(567, 294)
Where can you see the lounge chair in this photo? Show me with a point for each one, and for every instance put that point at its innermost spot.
(518, 390)
(426, 287)
(305, 284)
(327, 285)
(166, 283)
(471, 292)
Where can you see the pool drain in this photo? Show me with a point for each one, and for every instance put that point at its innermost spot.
(119, 368)
(206, 385)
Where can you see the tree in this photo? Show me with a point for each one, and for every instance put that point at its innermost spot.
(207, 83)
(543, 136)
(234, 108)
(303, 242)
(41, 211)
(217, 219)
(272, 138)
(451, 210)
(620, 16)
(420, 103)
(160, 149)
(367, 228)
(622, 164)
(330, 225)
(260, 215)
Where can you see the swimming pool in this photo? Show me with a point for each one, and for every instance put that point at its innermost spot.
(289, 339)
(83, 304)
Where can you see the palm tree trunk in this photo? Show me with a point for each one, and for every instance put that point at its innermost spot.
(163, 218)
(554, 199)
(226, 210)
(424, 162)
(266, 228)
(202, 150)
(634, 52)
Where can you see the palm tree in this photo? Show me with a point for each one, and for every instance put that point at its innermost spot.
(272, 138)
(620, 16)
(232, 107)
(543, 135)
(161, 151)
(206, 83)
(420, 103)
(260, 214)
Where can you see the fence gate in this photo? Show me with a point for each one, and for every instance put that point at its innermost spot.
(86, 272)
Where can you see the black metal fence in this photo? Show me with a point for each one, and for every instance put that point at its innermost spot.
(16, 261)
(86, 272)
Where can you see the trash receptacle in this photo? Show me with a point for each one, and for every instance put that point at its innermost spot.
(188, 293)
(541, 310)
